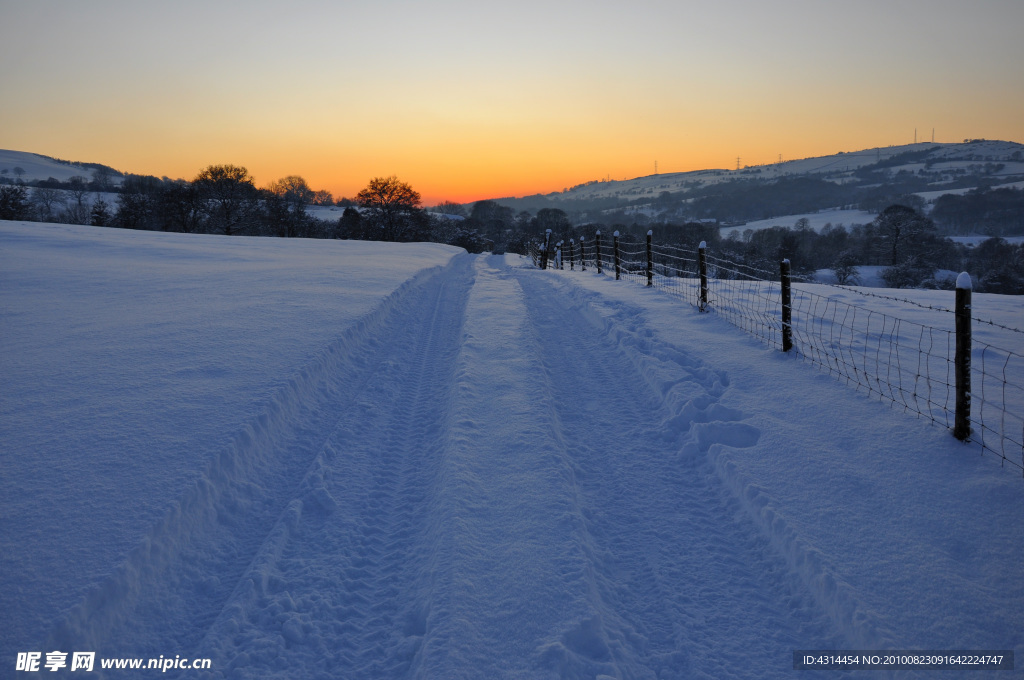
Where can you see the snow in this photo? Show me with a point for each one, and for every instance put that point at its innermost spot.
(944, 155)
(349, 459)
(131, 359)
(817, 220)
(963, 281)
(327, 213)
(868, 276)
(38, 167)
(931, 196)
(971, 241)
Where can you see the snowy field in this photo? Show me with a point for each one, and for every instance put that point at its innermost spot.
(816, 220)
(360, 460)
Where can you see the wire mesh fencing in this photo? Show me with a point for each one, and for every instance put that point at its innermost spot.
(863, 339)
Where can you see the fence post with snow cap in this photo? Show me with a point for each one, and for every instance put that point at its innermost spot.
(962, 359)
(618, 264)
(572, 254)
(702, 259)
(583, 254)
(650, 259)
(597, 246)
(787, 306)
(544, 253)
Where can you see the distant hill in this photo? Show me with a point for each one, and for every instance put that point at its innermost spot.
(840, 167)
(866, 180)
(842, 188)
(36, 167)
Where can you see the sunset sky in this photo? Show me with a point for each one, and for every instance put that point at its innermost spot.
(467, 100)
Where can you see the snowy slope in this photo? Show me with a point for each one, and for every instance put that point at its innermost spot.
(346, 459)
(947, 156)
(38, 167)
(131, 360)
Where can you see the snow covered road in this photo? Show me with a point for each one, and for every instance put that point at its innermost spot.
(509, 473)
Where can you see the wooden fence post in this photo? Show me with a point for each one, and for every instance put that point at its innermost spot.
(559, 256)
(618, 263)
(650, 259)
(597, 245)
(787, 307)
(572, 254)
(544, 253)
(583, 254)
(962, 360)
(702, 260)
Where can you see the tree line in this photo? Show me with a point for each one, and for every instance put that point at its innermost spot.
(902, 241)
(223, 199)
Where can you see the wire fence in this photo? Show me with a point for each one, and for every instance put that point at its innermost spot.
(861, 338)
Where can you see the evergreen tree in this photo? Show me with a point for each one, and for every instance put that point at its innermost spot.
(99, 216)
(13, 202)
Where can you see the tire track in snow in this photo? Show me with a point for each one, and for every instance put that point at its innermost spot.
(702, 421)
(508, 558)
(239, 515)
(684, 581)
(343, 593)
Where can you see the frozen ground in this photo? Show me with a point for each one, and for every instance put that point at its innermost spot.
(359, 460)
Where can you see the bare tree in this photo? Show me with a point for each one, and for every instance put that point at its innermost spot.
(845, 268)
(450, 208)
(902, 230)
(391, 201)
(285, 204)
(78, 212)
(102, 179)
(294, 190)
(230, 192)
(181, 207)
(45, 199)
(323, 197)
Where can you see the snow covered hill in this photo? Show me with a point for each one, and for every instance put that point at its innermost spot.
(35, 167)
(942, 156)
(349, 459)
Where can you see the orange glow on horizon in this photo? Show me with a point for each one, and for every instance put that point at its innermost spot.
(466, 102)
